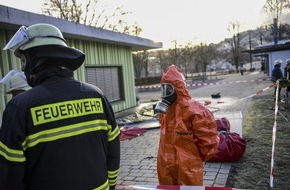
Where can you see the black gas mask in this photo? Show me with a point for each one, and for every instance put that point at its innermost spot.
(168, 97)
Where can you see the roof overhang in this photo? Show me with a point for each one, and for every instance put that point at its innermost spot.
(12, 19)
(281, 46)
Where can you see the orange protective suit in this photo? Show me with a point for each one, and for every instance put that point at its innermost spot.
(188, 136)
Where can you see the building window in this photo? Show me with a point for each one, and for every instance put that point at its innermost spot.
(107, 79)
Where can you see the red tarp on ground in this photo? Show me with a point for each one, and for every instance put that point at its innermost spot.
(131, 132)
(231, 146)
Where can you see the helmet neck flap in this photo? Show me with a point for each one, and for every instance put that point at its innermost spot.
(43, 59)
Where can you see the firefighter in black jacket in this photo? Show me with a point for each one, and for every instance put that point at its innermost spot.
(62, 133)
(277, 74)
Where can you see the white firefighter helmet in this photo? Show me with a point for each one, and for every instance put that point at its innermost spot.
(278, 62)
(49, 42)
(33, 36)
(15, 80)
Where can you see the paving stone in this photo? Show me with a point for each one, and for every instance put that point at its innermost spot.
(224, 171)
(222, 176)
(129, 183)
(152, 180)
(221, 181)
(136, 174)
(211, 169)
(209, 177)
(208, 182)
(127, 178)
(148, 175)
(211, 173)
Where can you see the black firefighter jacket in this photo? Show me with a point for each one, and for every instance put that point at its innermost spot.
(60, 135)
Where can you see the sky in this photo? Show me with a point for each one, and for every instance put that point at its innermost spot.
(183, 21)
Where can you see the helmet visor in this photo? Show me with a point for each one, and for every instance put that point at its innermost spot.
(166, 90)
(20, 38)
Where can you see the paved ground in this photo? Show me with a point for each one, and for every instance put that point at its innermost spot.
(138, 155)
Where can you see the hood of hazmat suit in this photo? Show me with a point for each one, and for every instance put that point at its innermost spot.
(188, 136)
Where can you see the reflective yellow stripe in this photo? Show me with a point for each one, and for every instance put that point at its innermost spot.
(11, 154)
(64, 132)
(113, 177)
(64, 110)
(113, 173)
(112, 182)
(105, 186)
(114, 134)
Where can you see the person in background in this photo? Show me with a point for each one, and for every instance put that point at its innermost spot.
(287, 73)
(188, 133)
(15, 82)
(277, 74)
(242, 70)
(62, 133)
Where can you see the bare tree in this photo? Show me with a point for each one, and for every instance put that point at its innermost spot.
(176, 53)
(161, 56)
(136, 30)
(187, 58)
(235, 42)
(92, 13)
(140, 62)
(276, 7)
(203, 56)
(283, 32)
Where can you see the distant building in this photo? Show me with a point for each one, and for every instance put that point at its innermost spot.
(270, 52)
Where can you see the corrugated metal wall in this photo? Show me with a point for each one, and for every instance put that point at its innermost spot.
(96, 54)
(101, 54)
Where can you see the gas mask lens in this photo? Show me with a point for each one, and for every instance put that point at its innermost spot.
(168, 96)
(166, 90)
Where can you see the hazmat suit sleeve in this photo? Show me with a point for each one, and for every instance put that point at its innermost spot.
(204, 128)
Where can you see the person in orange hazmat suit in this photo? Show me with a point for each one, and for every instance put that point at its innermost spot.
(188, 133)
